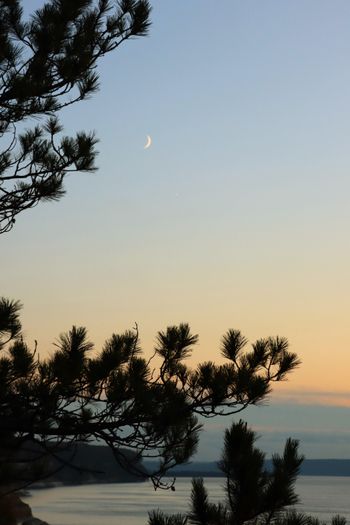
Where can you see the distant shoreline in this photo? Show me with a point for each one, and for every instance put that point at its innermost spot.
(309, 467)
(199, 474)
(190, 473)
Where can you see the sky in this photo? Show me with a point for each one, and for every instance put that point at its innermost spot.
(237, 216)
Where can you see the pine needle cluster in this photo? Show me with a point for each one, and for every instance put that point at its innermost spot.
(46, 64)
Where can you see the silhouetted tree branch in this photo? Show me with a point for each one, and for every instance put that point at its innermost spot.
(46, 64)
(117, 397)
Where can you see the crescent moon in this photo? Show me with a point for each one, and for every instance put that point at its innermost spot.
(148, 143)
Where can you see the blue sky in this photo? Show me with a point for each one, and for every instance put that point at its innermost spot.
(237, 216)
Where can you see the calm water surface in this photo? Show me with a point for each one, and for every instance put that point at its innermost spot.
(128, 503)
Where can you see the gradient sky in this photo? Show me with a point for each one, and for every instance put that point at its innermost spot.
(238, 214)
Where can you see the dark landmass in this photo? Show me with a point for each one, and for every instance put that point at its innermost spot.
(96, 464)
(87, 464)
(310, 467)
(326, 467)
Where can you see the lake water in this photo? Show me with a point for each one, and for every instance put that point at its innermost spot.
(128, 503)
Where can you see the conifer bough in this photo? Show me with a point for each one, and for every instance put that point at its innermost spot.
(120, 398)
(47, 63)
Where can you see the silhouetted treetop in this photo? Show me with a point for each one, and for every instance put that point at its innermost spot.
(253, 493)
